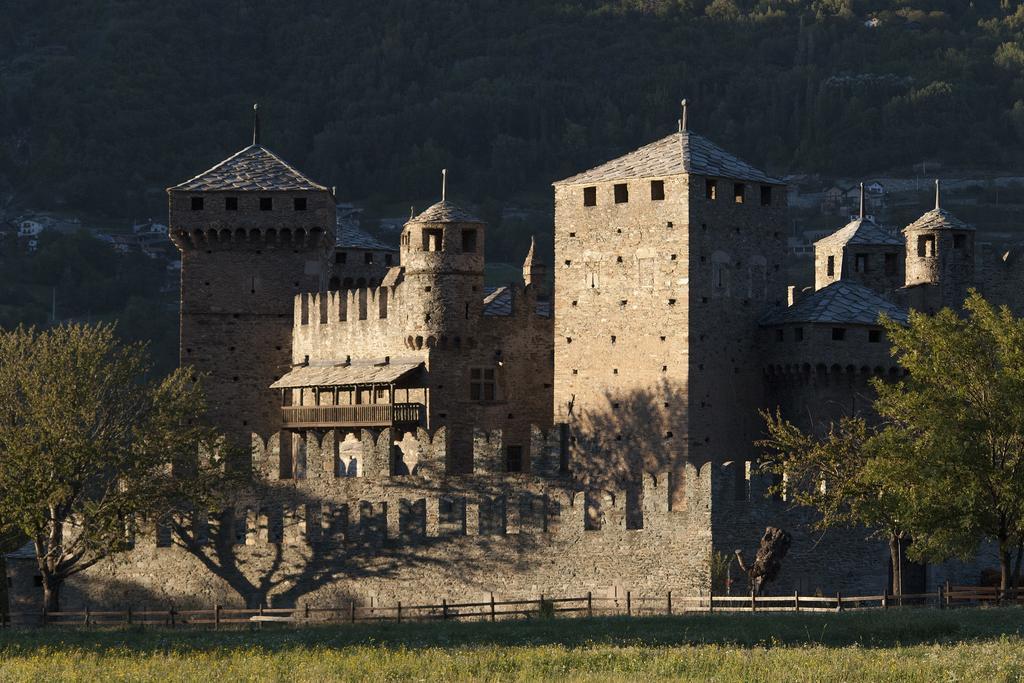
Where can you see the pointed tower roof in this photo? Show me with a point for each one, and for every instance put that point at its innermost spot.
(253, 169)
(938, 218)
(676, 154)
(531, 255)
(445, 212)
(861, 231)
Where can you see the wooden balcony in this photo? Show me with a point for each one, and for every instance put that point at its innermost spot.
(371, 415)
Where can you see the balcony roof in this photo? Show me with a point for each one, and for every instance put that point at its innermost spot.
(341, 374)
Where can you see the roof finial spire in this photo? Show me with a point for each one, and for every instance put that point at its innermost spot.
(444, 183)
(862, 201)
(412, 212)
(256, 124)
(682, 119)
(936, 194)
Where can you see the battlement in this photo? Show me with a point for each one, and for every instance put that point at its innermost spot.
(342, 306)
(222, 236)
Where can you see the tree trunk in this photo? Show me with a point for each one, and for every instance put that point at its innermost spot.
(897, 567)
(51, 594)
(1004, 567)
(1015, 585)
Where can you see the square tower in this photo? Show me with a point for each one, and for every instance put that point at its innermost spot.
(252, 232)
(665, 260)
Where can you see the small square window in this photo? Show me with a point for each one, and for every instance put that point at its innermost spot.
(959, 241)
(341, 257)
(739, 191)
(300, 203)
(589, 196)
(469, 241)
(432, 239)
(766, 195)
(838, 333)
(831, 267)
(798, 334)
(197, 203)
(891, 265)
(874, 336)
(711, 189)
(657, 190)
(368, 258)
(266, 203)
(860, 263)
(231, 203)
(621, 193)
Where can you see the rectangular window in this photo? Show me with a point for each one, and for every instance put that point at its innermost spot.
(481, 384)
(959, 241)
(300, 203)
(860, 263)
(368, 258)
(891, 265)
(621, 193)
(197, 203)
(657, 190)
(766, 195)
(798, 334)
(838, 333)
(514, 459)
(739, 192)
(831, 267)
(874, 336)
(469, 241)
(432, 239)
(231, 203)
(589, 196)
(926, 245)
(266, 203)
(711, 189)
(341, 257)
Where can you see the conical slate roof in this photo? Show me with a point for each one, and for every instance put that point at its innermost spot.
(445, 212)
(862, 231)
(939, 219)
(842, 302)
(253, 169)
(682, 152)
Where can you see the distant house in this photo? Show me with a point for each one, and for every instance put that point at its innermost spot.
(873, 22)
(29, 228)
(875, 187)
(831, 200)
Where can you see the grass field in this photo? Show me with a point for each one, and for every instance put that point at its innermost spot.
(907, 645)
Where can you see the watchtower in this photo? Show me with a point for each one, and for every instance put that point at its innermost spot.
(940, 252)
(665, 259)
(252, 232)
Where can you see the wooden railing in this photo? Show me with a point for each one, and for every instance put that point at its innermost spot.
(587, 605)
(369, 415)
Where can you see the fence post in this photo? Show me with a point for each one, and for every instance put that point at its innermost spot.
(493, 615)
(170, 613)
(444, 608)
(796, 600)
(839, 601)
(352, 610)
(216, 615)
(753, 600)
(669, 612)
(711, 602)
(885, 599)
(128, 617)
(590, 604)
(941, 601)
(86, 615)
(42, 616)
(305, 610)
(259, 625)
(399, 613)
(949, 602)
(629, 603)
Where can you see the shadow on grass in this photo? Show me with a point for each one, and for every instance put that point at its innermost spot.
(865, 629)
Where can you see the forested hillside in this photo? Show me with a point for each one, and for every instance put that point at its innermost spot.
(105, 103)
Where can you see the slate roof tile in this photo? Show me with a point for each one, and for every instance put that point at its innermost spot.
(939, 219)
(678, 153)
(445, 212)
(327, 374)
(253, 169)
(862, 231)
(841, 302)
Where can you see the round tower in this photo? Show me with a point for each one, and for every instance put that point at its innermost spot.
(442, 256)
(940, 252)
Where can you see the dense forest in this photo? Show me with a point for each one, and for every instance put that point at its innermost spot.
(105, 103)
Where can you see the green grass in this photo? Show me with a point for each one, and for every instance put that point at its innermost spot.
(908, 645)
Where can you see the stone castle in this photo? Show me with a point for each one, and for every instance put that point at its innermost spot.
(418, 434)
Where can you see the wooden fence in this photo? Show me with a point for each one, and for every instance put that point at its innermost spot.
(493, 610)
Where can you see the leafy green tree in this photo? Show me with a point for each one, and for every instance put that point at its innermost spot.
(844, 475)
(91, 451)
(960, 413)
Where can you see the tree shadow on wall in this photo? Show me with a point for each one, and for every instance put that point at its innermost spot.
(280, 567)
(629, 434)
